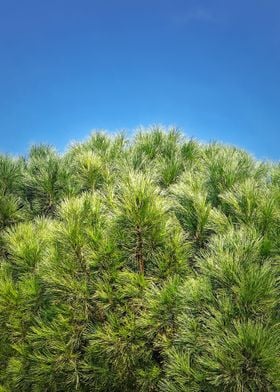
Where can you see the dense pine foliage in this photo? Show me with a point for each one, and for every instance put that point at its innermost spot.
(148, 264)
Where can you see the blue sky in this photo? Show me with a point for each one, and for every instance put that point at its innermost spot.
(209, 67)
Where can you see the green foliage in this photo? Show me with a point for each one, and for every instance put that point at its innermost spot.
(47, 180)
(149, 264)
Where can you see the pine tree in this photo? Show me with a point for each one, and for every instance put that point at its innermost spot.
(141, 264)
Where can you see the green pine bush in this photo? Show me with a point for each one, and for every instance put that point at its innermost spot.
(139, 264)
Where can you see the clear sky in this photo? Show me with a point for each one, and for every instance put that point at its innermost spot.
(209, 67)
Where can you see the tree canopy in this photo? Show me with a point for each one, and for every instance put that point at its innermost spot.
(148, 263)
